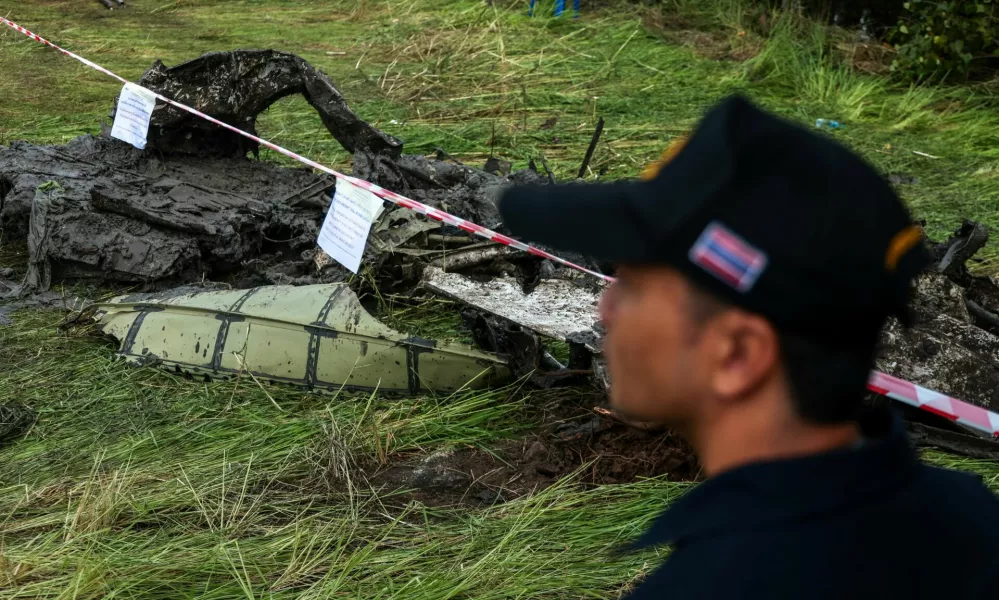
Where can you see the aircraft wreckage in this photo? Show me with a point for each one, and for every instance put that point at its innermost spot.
(316, 336)
(193, 207)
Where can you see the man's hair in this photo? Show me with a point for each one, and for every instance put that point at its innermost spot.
(827, 382)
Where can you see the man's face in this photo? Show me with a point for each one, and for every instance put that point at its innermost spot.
(658, 357)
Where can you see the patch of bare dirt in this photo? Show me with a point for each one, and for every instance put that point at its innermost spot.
(571, 440)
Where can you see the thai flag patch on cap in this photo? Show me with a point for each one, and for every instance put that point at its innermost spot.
(728, 257)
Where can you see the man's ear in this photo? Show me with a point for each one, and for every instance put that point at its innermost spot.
(747, 355)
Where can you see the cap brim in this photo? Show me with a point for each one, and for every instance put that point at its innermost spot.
(603, 221)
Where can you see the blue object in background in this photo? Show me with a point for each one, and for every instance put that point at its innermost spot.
(559, 8)
(827, 124)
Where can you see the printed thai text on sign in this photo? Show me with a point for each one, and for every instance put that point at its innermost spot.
(131, 119)
(348, 222)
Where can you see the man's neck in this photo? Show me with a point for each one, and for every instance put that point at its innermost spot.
(743, 437)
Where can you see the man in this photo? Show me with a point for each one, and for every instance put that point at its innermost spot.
(755, 270)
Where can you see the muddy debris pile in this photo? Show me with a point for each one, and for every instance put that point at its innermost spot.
(235, 87)
(953, 345)
(222, 247)
(192, 206)
(98, 209)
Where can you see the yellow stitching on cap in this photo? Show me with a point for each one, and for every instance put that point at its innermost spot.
(669, 154)
(903, 241)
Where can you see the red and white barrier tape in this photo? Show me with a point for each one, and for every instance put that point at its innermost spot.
(881, 383)
(433, 213)
(934, 402)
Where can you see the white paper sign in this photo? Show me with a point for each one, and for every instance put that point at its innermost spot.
(345, 230)
(131, 119)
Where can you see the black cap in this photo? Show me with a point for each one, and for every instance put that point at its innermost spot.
(766, 214)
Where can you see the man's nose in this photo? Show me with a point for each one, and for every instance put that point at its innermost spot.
(608, 305)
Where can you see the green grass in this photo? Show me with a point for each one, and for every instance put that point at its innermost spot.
(138, 483)
(476, 78)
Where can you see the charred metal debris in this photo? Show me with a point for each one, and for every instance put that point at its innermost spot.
(194, 208)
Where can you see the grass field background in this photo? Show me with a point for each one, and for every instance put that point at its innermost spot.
(138, 484)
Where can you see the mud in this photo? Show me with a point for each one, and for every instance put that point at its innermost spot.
(13, 296)
(947, 356)
(953, 346)
(572, 440)
(99, 209)
(235, 87)
(470, 193)
(192, 206)
(12, 300)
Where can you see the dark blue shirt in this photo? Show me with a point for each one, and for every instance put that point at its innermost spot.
(867, 522)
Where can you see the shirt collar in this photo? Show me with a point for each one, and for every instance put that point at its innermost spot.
(790, 489)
